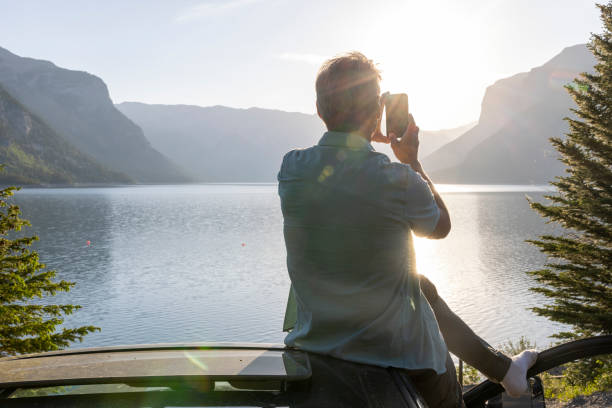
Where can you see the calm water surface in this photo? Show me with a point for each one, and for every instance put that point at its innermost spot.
(207, 262)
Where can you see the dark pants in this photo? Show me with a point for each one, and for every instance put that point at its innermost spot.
(444, 390)
(438, 390)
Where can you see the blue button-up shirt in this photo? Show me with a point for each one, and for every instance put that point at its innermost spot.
(348, 215)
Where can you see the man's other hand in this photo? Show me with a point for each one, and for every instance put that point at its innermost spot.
(406, 149)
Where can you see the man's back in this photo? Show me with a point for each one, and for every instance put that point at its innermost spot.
(348, 213)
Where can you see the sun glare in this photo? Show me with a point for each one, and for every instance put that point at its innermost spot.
(425, 258)
(430, 55)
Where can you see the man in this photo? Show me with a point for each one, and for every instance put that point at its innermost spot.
(349, 214)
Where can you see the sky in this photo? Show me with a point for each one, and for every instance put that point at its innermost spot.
(266, 53)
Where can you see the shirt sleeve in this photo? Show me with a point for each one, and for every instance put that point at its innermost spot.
(421, 210)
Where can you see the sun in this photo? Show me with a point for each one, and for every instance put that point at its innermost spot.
(432, 56)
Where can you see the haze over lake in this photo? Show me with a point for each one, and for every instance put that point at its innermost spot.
(207, 262)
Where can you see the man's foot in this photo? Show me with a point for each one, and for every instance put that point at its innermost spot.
(515, 381)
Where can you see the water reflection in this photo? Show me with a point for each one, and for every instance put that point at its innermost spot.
(506, 261)
(207, 263)
(64, 223)
(480, 267)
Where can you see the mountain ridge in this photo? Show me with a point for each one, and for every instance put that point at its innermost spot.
(77, 106)
(32, 153)
(196, 136)
(508, 144)
(209, 141)
(512, 110)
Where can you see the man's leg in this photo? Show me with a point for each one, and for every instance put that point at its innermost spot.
(438, 390)
(461, 340)
(465, 344)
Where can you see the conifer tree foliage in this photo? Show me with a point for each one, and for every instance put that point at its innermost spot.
(578, 278)
(27, 327)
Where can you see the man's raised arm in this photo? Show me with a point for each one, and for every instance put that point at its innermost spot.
(406, 150)
(443, 226)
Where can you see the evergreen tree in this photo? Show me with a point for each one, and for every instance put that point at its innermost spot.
(26, 327)
(578, 278)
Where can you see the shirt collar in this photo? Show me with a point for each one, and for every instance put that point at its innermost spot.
(344, 139)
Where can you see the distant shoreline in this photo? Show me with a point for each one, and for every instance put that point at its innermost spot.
(443, 188)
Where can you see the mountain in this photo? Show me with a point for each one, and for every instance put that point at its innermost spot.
(519, 114)
(32, 153)
(431, 140)
(222, 144)
(77, 106)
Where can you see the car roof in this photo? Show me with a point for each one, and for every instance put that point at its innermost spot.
(149, 364)
(197, 374)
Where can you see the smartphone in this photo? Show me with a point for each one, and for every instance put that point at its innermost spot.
(396, 113)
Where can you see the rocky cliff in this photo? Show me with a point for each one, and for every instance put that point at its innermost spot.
(519, 114)
(77, 106)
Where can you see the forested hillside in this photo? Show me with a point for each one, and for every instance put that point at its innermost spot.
(32, 153)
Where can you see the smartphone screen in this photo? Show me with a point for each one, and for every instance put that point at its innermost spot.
(396, 108)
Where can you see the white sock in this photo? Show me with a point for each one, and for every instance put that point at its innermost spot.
(515, 380)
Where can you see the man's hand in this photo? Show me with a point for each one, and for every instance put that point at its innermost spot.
(407, 148)
(379, 137)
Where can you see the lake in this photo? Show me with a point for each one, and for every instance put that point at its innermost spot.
(207, 262)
